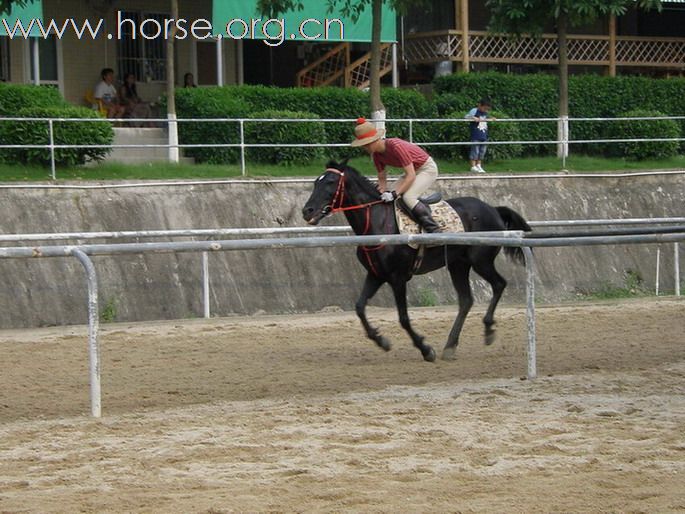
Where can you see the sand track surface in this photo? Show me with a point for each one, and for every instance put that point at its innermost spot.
(302, 413)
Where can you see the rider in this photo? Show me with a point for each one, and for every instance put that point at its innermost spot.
(420, 170)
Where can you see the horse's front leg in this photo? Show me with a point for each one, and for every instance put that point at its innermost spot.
(399, 289)
(371, 286)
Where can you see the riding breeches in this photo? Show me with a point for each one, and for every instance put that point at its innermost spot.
(425, 177)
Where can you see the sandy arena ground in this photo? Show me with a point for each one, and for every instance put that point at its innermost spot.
(302, 413)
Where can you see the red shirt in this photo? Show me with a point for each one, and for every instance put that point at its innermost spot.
(399, 153)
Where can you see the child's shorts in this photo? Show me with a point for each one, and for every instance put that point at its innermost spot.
(477, 152)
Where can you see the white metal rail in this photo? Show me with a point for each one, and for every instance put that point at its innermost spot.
(564, 134)
(512, 238)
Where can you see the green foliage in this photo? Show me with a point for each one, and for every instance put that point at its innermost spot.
(535, 96)
(632, 287)
(520, 96)
(427, 297)
(404, 104)
(533, 16)
(271, 132)
(14, 97)
(108, 314)
(643, 129)
(7, 5)
(65, 133)
(210, 103)
(458, 131)
(323, 102)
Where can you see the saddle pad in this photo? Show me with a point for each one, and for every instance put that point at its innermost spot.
(443, 214)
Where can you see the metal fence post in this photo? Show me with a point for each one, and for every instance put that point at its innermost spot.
(242, 147)
(676, 265)
(564, 137)
(658, 263)
(205, 284)
(411, 131)
(530, 312)
(52, 149)
(93, 323)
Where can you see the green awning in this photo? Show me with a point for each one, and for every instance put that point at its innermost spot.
(242, 18)
(22, 17)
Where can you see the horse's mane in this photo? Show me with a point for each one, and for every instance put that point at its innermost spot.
(352, 174)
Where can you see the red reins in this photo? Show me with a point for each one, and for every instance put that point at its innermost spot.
(340, 194)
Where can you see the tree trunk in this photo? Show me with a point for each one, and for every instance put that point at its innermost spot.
(377, 108)
(562, 30)
(170, 87)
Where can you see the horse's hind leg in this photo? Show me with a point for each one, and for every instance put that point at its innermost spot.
(371, 286)
(459, 272)
(486, 269)
(400, 290)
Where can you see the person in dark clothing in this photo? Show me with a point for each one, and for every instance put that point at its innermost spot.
(479, 133)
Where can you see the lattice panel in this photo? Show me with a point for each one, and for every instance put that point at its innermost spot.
(654, 52)
(360, 75)
(433, 48)
(588, 50)
(325, 71)
(497, 48)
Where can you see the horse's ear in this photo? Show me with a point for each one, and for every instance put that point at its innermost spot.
(332, 164)
(343, 164)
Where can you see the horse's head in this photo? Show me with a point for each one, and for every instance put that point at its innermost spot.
(328, 190)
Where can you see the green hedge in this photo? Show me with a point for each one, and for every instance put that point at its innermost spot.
(536, 96)
(324, 102)
(212, 103)
(459, 131)
(14, 97)
(285, 133)
(65, 133)
(521, 96)
(403, 104)
(643, 129)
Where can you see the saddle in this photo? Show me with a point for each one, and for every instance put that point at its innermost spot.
(443, 214)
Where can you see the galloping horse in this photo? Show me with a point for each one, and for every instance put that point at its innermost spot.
(341, 188)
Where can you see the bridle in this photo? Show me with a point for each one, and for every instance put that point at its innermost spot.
(339, 197)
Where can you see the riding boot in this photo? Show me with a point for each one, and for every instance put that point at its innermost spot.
(422, 214)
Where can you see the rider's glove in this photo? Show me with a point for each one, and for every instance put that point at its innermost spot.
(388, 196)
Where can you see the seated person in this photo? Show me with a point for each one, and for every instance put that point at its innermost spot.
(134, 106)
(188, 80)
(107, 94)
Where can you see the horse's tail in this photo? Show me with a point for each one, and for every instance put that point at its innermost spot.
(513, 221)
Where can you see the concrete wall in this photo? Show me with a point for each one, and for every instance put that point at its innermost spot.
(52, 291)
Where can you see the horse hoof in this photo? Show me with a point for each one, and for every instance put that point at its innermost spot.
(384, 343)
(429, 356)
(489, 338)
(449, 354)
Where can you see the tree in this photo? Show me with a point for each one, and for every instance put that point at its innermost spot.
(6, 5)
(354, 9)
(170, 87)
(519, 17)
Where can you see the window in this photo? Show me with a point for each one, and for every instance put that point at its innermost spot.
(4, 59)
(47, 59)
(145, 58)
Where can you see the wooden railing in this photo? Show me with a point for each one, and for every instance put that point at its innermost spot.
(335, 68)
(327, 69)
(433, 47)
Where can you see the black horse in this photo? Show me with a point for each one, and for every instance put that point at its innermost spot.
(342, 188)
